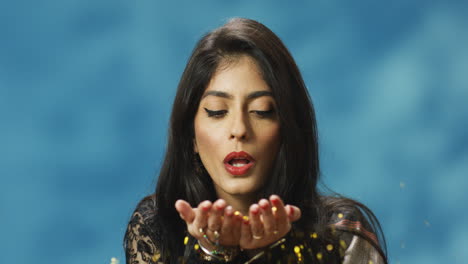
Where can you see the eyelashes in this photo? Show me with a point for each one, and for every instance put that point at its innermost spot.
(222, 113)
(213, 113)
(264, 114)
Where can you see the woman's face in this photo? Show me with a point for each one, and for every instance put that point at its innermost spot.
(237, 131)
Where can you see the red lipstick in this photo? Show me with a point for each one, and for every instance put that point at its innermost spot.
(238, 163)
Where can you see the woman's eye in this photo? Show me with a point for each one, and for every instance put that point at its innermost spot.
(263, 114)
(215, 113)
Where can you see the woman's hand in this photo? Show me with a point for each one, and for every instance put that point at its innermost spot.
(216, 220)
(268, 222)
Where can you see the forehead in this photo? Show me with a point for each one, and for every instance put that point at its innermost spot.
(237, 77)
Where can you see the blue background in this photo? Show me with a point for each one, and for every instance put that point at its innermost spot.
(86, 89)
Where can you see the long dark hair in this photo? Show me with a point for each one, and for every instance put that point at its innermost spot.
(296, 171)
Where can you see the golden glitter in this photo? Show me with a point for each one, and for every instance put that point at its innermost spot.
(186, 240)
(314, 235)
(329, 247)
(371, 262)
(246, 218)
(319, 256)
(340, 215)
(155, 257)
(236, 213)
(274, 209)
(342, 243)
(283, 246)
(427, 223)
(196, 246)
(297, 249)
(302, 246)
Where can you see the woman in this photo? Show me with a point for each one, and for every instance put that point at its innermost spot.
(239, 179)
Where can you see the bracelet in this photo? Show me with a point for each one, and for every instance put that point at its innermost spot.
(220, 253)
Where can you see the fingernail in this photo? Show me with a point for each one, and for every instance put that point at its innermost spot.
(275, 200)
(228, 211)
(254, 211)
(264, 205)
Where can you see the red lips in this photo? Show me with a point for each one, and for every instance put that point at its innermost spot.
(238, 158)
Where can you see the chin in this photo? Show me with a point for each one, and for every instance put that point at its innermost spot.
(241, 189)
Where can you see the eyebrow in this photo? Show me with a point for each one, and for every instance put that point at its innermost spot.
(251, 96)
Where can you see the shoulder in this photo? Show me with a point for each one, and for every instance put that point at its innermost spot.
(146, 208)
(347, 214)
(357, 229)
(142, 221)
(140, 240)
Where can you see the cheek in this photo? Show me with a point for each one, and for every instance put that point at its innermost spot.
(270, 137)
(205, 140)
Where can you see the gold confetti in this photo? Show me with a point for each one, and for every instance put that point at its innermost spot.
(319, 256)
(156, 257)
(371, 262)
(196, 246)
(236, 213)
(297, 249)
(186, 240)
(274, 209)
(342, 243)
(283, 246)
(314, 235)
(114, 261)
(427, 223)
(302, 246)
(246, 218)
(340, 215)
(329, 247)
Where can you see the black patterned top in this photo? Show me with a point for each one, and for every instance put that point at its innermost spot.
(352, 243)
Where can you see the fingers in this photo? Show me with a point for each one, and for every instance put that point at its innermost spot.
(185, 211)
(215, 220)
(230, 230)
(279, 213)
(256, 224)
(246, 234)
(294, 213)
(201, 217)
(269, 222)
(216, 223)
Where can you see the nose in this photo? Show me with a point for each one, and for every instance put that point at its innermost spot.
(239, 127)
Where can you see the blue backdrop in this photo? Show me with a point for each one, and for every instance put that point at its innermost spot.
(86, 89)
